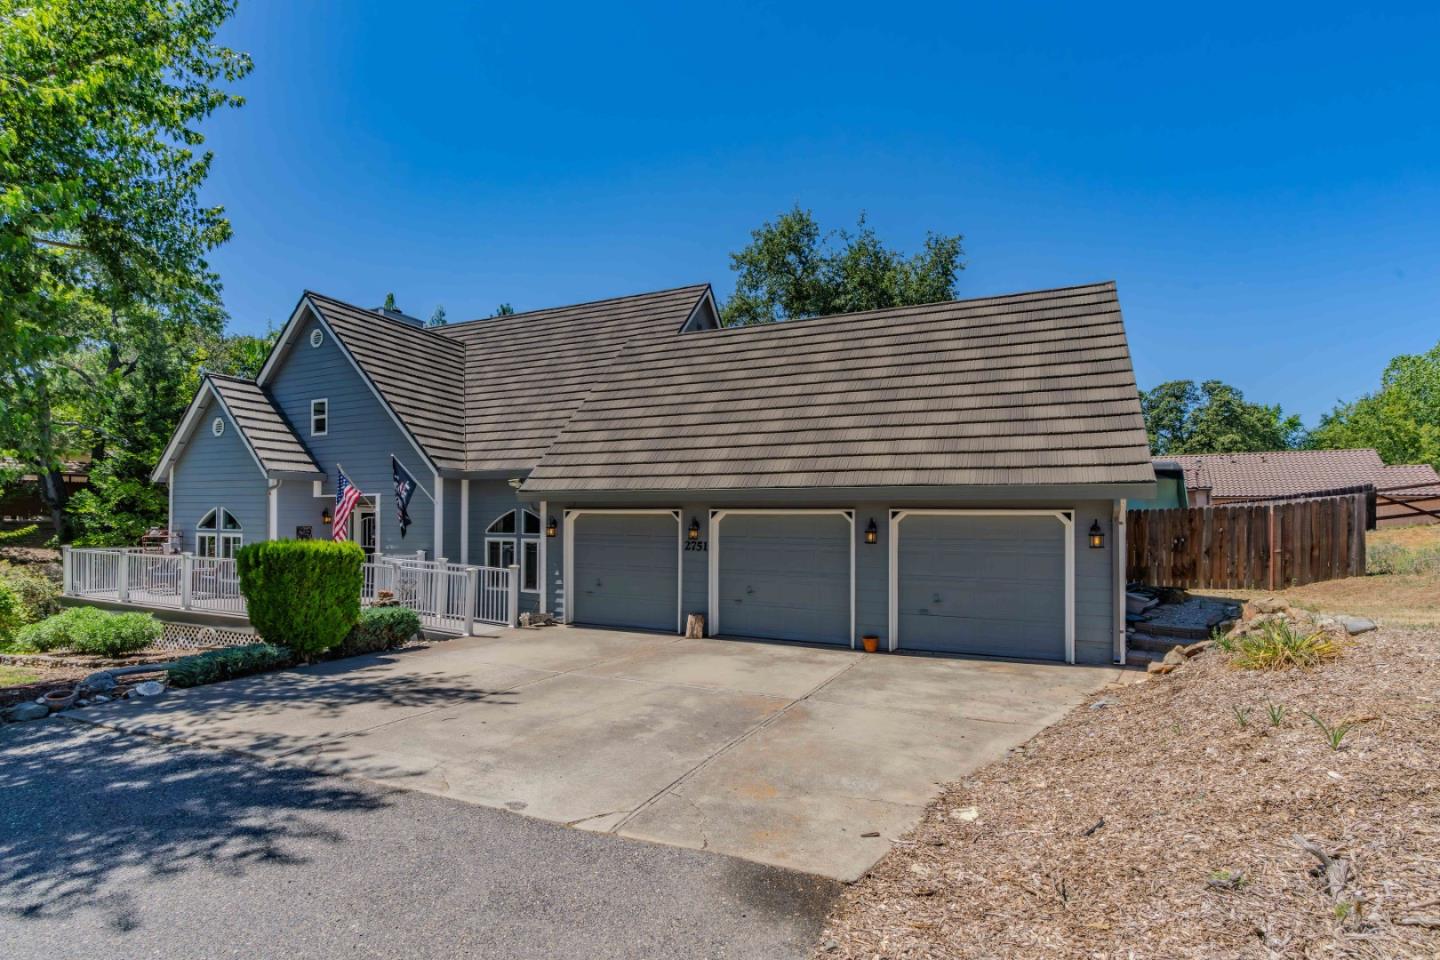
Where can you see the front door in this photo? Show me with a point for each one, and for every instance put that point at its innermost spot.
(364, 530)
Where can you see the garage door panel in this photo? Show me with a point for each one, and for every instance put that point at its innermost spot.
(982, 585)
(626, 571)
(785, 577)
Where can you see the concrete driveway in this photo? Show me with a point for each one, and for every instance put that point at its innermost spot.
(780, 754)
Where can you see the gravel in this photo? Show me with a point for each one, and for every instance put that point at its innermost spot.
(1171, 823)
(117, 845)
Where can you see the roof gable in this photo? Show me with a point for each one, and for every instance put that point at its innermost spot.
(266, 435)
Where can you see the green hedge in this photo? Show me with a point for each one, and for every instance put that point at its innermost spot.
(302, 594)
(40, 593)
(13, 613)
(93, 631)
(215, 665)
(380, 628)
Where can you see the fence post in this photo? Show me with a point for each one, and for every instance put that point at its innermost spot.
(67, 571)
(187, 579)
(1274, 549)
(472, 584)
(122, 578)
(512, 602)
(442, 588)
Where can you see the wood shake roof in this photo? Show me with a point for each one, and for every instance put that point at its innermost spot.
(419, 373)
(1032, 388)
(279, 450)
(528, 373)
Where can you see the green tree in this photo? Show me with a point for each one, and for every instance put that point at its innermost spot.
(1213, 417)
(1401, 420)
(791, 270)
(103, 237)
(240, 355)
(389, 302)
(504, 310)
(437, 319)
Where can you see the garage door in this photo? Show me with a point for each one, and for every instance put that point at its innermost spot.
(785, 577)
(626, 571)
(983, 585)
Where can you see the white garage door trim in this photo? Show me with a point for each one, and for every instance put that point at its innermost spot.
(713, 600)
(573, 515)
(1067, 523)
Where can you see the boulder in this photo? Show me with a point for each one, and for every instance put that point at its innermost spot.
(1355, 625)
(1198, 648)
(150, 688)
(102, 682)
(1271, 605)
(1176, 656)
(26, 711)
(1157, 666)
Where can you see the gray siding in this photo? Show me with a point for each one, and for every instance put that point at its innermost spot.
(218, 472)
(489, 500)
(298, 506)
(361, 437)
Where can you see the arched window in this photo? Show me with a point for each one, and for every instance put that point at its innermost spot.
(514, 537)
(218, 534)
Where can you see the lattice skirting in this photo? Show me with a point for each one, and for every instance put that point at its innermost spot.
(191, 636)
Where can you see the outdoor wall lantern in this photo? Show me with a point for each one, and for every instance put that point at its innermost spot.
(872, 535)
(325, 517)
(694, 528)
(1097, 538)
(551, 527)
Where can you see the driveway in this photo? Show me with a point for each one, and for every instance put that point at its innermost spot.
(120, 846)
(780, 754)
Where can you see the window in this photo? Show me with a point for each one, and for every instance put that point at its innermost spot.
(319, 418)
(511, 535)
(218, 535)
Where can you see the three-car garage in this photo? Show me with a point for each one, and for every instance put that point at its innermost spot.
(975, 582)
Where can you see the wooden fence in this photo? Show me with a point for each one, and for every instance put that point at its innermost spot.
(1263, 546)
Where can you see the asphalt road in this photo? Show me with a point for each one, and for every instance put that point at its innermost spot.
(119, 845)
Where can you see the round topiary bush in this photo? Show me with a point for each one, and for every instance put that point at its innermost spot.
(302, 594)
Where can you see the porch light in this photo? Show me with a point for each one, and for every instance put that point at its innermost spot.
(872, 535)
(550, 527)
(694, 528)
(325, 517)
(1097, 538)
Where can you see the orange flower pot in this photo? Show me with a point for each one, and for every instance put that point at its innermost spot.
(871, 644)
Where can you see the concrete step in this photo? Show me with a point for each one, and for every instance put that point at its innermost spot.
(1159, 645)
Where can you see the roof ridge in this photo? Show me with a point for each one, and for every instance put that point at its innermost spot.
(576, 306)
(379, 315)
(860, 314)
(225, 376)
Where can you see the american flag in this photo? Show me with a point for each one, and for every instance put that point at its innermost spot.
(346, 496)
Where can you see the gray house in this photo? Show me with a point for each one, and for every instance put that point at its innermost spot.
(949, 478)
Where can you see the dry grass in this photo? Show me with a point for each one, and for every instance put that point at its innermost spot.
(1411, 599)
(1163, 825)
(1281, 646)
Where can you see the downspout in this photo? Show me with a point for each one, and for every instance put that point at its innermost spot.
(1118, 576)
(274, 497)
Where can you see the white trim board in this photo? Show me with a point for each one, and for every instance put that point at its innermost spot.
(713, 558)
(570, 516)
(1066, 516)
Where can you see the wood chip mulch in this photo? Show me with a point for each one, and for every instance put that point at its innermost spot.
(1157, 826)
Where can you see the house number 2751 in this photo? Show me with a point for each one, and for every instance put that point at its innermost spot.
(697, 546)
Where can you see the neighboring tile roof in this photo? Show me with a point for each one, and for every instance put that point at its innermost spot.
(529, 372)
(1031, 388)
(1409, 480)
(274, 442)
(1295, 473)
(420, 374)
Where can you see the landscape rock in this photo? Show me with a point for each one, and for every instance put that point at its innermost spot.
(1176, 656)
(1271, 605)
(21, 712)
(965, 814)
(150, 688)
(1198, 648)
(1157, 666)
(102, 682)
(1355, 625)
(1101, 704)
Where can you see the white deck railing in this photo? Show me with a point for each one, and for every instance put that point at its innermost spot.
(450, 597)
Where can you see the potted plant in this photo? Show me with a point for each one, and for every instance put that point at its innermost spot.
(870, 642)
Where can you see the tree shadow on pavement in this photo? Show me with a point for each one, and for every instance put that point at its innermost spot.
(86, 813)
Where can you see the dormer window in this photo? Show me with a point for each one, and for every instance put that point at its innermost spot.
(319, 418)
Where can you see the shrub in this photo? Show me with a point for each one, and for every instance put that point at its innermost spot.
(1279, 646)
(93, 631)
(380, 628)
(13, 614)
(302, 594)
(40, 593)
(215, 665)
(18, 534)
(1392, 558)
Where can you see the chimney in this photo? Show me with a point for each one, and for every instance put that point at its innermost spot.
(400, 315)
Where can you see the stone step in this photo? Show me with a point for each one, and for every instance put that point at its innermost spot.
(1153, 644)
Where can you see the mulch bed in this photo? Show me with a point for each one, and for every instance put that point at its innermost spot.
(1156, 825)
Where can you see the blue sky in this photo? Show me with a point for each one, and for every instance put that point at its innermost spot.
(1263, 181)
